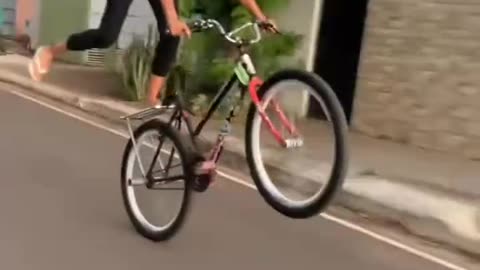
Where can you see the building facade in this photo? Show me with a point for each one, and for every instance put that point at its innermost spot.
(27, 19)
(8, 8)
(418, 79)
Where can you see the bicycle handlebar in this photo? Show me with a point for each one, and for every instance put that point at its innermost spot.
(199, 25)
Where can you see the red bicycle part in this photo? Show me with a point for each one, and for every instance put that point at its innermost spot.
(209, 167)
(291, 128)
(255, 83)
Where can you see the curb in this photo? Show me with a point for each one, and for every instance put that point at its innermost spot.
(360, 193)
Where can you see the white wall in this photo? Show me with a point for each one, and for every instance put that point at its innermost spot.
(302, 17)
(140, 16)
(34, 28)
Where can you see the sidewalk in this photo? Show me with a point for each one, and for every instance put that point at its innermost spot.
(431, 194)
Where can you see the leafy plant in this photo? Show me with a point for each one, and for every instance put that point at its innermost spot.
(214, 59)
(205, 61)
(136, 65)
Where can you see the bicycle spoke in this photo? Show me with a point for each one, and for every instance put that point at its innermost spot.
(155, 156)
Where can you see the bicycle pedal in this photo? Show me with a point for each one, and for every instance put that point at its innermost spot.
(206, 172)
(201, 183)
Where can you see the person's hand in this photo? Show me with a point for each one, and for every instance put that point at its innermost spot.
(179, 28)
(269, 25)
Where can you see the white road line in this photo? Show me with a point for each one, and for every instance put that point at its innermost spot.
(242, 182)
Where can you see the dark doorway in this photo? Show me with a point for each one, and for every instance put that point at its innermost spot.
(338, 49)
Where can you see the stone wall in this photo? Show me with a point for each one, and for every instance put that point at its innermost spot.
(419, 77)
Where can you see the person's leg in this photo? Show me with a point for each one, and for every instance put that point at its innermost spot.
(102, 37)
(165, 53)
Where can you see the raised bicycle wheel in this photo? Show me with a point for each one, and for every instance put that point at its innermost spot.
(287, 147)
(160, 148)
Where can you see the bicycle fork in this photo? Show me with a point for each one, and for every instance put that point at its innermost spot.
(287, 143)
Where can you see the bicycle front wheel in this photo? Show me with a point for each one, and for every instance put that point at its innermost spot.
(296, 143)
(156, 204)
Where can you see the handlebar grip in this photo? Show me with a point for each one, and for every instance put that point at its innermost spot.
(269, 26)
(195, 26)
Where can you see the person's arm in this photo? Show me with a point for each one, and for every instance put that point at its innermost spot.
(177, 27)
(253, 7)
(170, 10)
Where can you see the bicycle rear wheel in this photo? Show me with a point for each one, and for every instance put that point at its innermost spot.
(288, 159)
(160, 148)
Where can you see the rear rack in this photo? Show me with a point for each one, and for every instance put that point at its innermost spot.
(148, 112)
(140, 116)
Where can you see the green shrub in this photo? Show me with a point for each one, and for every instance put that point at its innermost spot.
(206, 61)
(136, 65)
(211, 59)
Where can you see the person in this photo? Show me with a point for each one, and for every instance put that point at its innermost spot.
(166, 14)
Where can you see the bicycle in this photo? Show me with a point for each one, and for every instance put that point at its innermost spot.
(199, 169)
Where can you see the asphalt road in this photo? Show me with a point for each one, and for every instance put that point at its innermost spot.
(61, 208)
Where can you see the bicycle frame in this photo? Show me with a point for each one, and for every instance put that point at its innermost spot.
(243, 67)
(245, 74)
